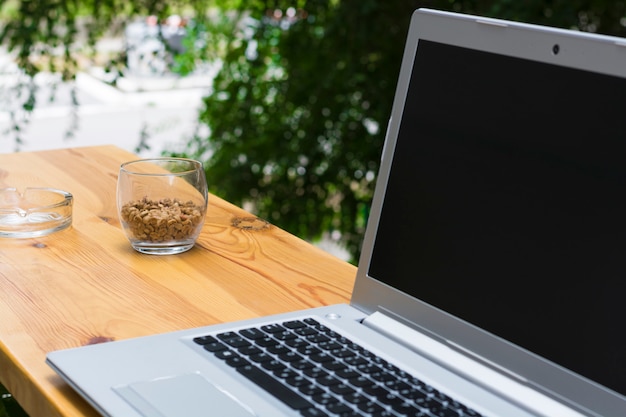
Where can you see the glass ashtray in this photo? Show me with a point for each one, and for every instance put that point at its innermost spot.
(35, 212)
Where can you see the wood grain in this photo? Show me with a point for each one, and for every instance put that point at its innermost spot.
(87, 285)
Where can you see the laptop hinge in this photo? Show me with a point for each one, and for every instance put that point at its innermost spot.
(462, 362)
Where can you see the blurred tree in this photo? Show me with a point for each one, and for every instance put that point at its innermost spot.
(53, 35)
(297, 117)
(296, 120)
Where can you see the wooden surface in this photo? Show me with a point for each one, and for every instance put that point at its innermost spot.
(87, 285)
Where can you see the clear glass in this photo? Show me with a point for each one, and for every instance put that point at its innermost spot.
(38, 211)
(162, 204)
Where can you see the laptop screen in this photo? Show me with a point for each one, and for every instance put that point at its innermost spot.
(506, 204)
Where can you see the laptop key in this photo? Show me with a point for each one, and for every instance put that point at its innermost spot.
(302, 365)
(237, 362)
(396, 385)
(307, 349)
(317, 338)
(370, 407)
(297, 381)
(311, 322)
(278, 349)
(391, 399)
(342, 353)
(321, 357)
(284, 336)
(235, 341)
(267, 342)
(342, 389)
(316, 372)
(261, 357)
(274, 366)
(203, 340)
(294, 324)
(356, 398)
(310, 390)
(249, 350)
(290, 357)
(328, 380)
(357, 414)
(376, 391)
(428, 403)
(274, 387)
(356, 361)
(333, 365)
(329, 345)
(313, 412)
(382, 376)
(306, 331)
(325, 399)
(339, 408)
(361, 381)
(407, 409)
(252, 333)
(298, 343)
(368, 368)
(225, 354)
(273, 328)
(336, 336)
(444, 412)
(285, 373)
(215, 347)
(210, 343)
(231, 357)
(347, 373)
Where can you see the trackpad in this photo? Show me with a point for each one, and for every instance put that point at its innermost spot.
(188, 395)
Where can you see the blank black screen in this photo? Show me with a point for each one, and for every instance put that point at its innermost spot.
(506, 204)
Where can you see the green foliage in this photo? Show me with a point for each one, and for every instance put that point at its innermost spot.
(298, 112)
(204, 42)
(51, 35)
(600, 16)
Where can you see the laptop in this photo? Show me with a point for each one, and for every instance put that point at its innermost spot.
(493, 269)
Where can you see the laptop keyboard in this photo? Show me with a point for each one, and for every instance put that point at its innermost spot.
(318, 372)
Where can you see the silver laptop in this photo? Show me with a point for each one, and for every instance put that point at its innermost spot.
(493, 271)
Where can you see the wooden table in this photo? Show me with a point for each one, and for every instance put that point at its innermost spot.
(87, 285)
